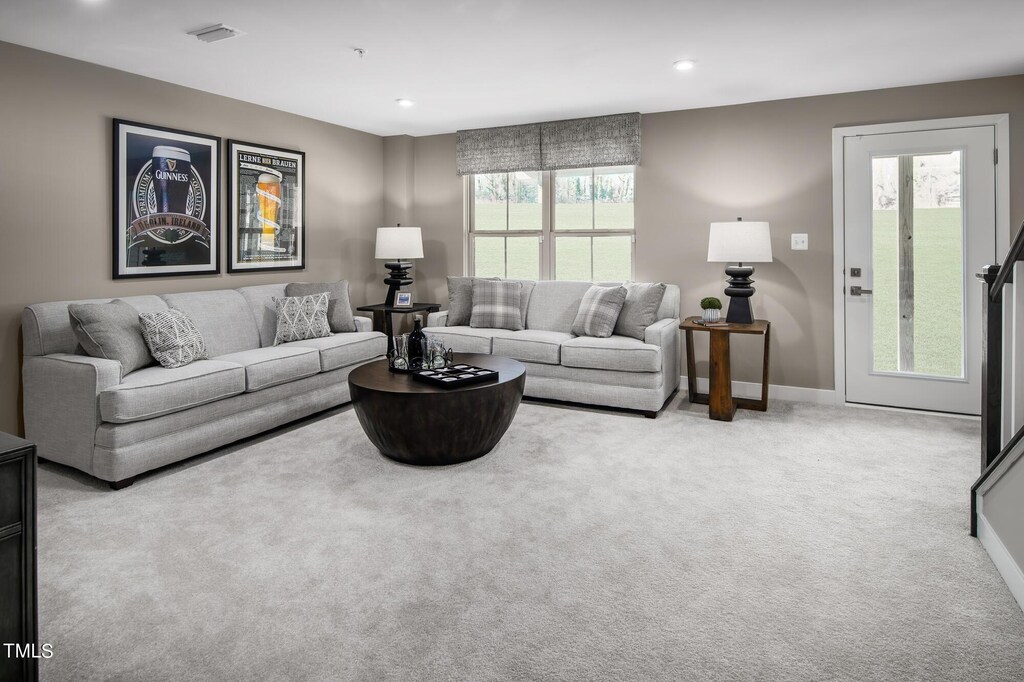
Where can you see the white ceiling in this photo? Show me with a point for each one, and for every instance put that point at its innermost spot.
(474, 63)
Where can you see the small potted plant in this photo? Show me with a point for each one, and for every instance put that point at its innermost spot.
(712, 308)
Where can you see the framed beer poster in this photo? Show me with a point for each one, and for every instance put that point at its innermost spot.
(166, 201)
(266, 224)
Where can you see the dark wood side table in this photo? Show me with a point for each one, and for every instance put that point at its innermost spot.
(721, 405)
(382, 313)
(18, 608)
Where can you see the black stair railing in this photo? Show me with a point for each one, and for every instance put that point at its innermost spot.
(992, 370)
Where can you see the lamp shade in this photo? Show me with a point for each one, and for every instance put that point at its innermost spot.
(399, 242)
(740, 242)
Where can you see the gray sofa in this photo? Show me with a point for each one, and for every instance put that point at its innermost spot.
(80, 411)
(618, 371)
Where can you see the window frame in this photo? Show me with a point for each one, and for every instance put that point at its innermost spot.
(548, 233)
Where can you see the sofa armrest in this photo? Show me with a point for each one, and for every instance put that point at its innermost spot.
(61, 406)
(363, 324)
(665, 334)
(437, 319)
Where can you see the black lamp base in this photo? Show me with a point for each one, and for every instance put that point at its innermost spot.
(397, 278)
(739, 292)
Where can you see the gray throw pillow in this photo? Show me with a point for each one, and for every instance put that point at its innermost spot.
(339, 308)
(497, 305)
(173, 338)
(112, 331)
(598, 311)
(302, 317)
(460, 299)
(640, 310)
(528, 287)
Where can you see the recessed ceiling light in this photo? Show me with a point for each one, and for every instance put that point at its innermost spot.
(403, 102)
(684, 65)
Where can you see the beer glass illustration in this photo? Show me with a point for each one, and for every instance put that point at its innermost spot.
(268, 193)
(172, 178)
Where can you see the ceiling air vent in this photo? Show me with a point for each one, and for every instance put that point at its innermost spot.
(212, 34)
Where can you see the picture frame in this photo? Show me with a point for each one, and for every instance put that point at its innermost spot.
(266, 187)
(166, 201)
(403, 299)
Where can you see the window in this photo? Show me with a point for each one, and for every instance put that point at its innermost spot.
(567, 224)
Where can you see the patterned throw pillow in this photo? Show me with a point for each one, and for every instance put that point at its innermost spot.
(497, 305)
(339, 308)
(598, 311)
(173, 338)
(302, 317)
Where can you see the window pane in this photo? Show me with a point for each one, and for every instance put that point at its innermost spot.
(489, 257)
(523, 257)
(490, 201)
(613, 258)
(574, 206)
(524, 201)
(613, 199)
(572, 258)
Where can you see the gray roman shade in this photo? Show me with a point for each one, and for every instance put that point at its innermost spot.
(575, 143)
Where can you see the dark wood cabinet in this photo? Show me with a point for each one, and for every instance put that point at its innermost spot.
(18, 560)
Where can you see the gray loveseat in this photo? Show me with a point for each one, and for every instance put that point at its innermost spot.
(80, 411)
(617, 371)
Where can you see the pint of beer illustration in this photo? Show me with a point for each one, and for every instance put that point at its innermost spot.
(268, 193)
(172, 178)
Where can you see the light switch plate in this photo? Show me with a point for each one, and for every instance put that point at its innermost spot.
(799, 242)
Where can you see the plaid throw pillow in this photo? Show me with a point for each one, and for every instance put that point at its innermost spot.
(173, 338)
(497, 305)
(598, 311)
(302, 317)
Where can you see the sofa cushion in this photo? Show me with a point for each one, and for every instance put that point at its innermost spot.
(339, 307)
(598, 311)
(640, 309)
(530, 345)
(460, 299)
(172, 338)
(553, 305)
(111, 331)
(497, 305)
(266, 367)
(619, 353)
(302, 317)
(260, 299)
(342, 350)
(156, 391)
(223, 318)
(465, 339)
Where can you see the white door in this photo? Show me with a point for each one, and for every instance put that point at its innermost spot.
(919, 221)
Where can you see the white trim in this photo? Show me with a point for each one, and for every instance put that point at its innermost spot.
(1003, 560)
(909, 410)
(1001, 123)
(747, 389)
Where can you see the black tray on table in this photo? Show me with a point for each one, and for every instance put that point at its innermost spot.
(458, 374)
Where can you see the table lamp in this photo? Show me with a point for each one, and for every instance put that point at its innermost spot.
(740, 242)
(398, 243)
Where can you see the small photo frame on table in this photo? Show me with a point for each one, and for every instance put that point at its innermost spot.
(403, 299)
(166, 202)
(267, 214)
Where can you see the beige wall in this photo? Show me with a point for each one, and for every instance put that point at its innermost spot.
(1003, 508)
(766, 161)
(55, 188)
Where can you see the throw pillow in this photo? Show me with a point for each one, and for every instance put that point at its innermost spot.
(598, 311)
(528, 287)
(497, 305)
(460, 299)
(112, 331)
(173, 338)
(640, 309)
(339, 308)
(302, 317)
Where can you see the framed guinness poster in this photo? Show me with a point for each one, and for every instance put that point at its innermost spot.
(266, 224)
(166, 201)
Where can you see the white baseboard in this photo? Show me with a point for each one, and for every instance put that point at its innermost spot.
(1002, 559)
(747, 389)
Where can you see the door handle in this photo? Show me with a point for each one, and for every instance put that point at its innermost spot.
(857, 291)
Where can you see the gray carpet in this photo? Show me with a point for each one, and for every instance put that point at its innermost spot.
(808, 543)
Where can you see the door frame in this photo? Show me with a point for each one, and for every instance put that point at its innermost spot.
(1001, 123)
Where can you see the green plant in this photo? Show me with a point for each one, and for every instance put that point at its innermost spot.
(710, 303)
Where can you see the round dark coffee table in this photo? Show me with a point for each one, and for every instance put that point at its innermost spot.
(416, 423)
